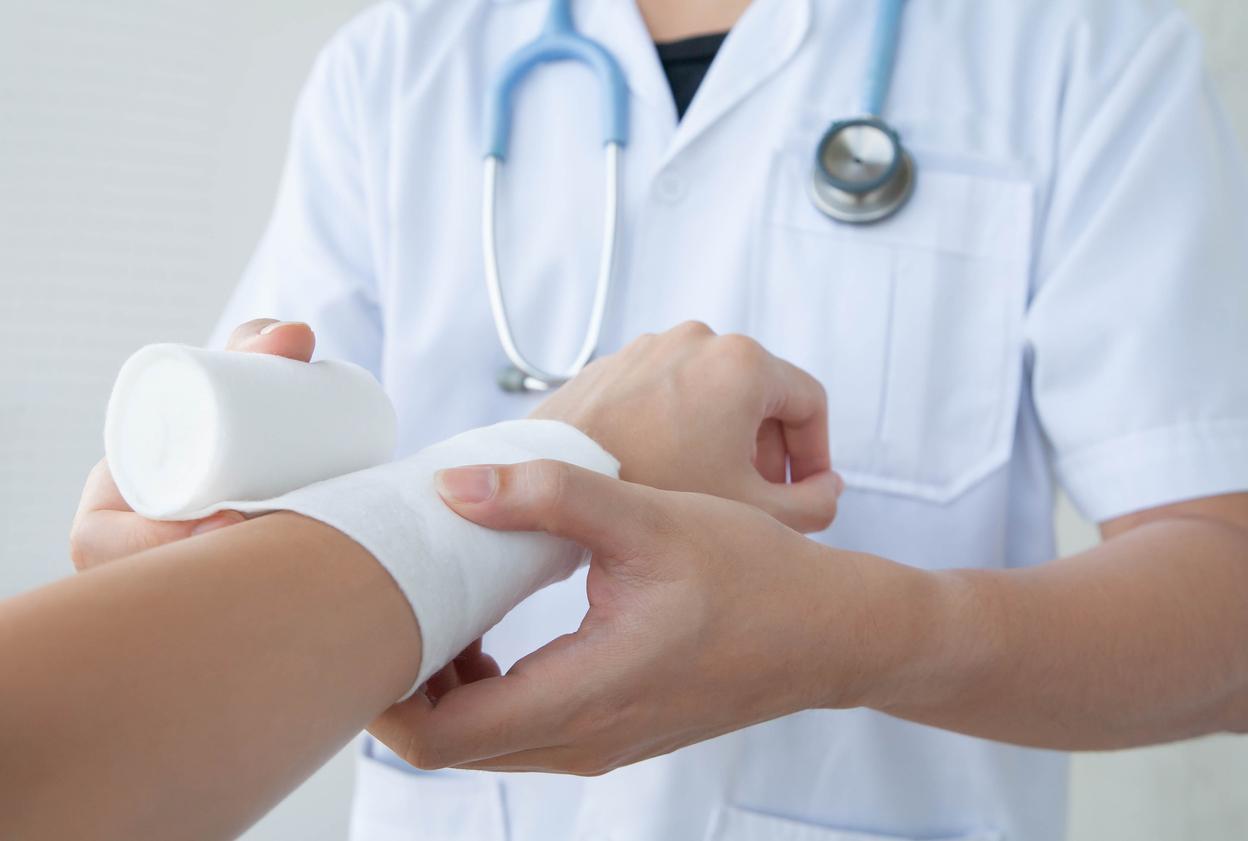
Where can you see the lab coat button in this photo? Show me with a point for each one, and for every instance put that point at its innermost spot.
(669, 187)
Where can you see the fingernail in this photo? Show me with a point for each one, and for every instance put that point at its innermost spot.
(466, 484)
(218, 521)
(269, 328)
(840, 482)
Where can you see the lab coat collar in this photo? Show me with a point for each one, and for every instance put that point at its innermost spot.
(763, 40)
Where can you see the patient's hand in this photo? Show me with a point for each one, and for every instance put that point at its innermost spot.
(105, 528)
(688, 410)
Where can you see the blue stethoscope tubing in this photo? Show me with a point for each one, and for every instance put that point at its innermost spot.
(558, 41)
(884, 40)
(862, 173)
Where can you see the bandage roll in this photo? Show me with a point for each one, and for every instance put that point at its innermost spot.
(190, 431)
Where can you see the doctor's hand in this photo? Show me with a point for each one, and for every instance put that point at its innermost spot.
(706, 615)
(105, 528)
(688, 410)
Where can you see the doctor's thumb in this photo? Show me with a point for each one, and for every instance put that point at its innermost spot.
(601, 513)
(291, 339)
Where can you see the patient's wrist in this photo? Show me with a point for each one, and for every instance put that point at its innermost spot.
(458, 578)
(366, 587)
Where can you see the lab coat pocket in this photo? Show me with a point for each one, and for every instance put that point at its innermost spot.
(914, 324)
(736, 824)
(396, 804)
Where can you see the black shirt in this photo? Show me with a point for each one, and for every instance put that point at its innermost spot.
(685, 62)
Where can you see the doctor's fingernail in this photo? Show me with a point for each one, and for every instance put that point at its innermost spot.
(466, 484)
(269, 328)
(840, 482)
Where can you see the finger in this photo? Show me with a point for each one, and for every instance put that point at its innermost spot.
(806, 506)
(799, 402)
(607, 516)
(471, 665)
(770, 459)
(291, 339)
(402, 725)
(520, 711)
(103, 536)
(474, 665)
(441, 682)
(100, 492)
(552, 759)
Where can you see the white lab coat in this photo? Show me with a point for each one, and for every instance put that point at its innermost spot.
(1064, 300)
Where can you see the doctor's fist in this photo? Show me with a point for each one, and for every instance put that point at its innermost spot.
(689, 410)
(105, 528)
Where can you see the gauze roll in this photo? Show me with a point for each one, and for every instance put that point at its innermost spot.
(192, 431)
(460, 578)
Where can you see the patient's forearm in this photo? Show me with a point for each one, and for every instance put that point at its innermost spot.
(182, 692)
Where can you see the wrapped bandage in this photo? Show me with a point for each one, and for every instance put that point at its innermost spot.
(460, 578)
(190, 432)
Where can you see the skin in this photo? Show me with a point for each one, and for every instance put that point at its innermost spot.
(183, 691)
(670, 21)
(1137, 641)
(201, 665)
(706, 616)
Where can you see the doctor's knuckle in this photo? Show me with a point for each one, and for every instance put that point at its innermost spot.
(739, 352)
(817, 389)
(692, 329)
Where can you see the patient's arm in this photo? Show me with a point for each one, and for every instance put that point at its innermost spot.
(181, 692)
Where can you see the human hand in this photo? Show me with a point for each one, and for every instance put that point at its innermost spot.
(688, 410)
(705, 616)
(105, 528)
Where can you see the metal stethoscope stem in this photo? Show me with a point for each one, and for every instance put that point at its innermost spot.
(524, 375)
(861, 171)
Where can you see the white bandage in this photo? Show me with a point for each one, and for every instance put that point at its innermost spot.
(460, 578)
(191, 431)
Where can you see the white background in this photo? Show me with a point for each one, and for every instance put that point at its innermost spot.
(140, 144)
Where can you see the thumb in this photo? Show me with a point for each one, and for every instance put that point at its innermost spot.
(291, 339)
(603, 514)
(806, 506)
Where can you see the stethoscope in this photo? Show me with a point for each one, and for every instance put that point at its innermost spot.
(862, 172)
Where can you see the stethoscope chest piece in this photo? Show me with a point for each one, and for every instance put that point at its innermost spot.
(861, 173)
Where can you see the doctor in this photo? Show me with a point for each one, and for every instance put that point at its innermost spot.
(1057, 300)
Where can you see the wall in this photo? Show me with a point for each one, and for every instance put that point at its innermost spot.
(140, 142)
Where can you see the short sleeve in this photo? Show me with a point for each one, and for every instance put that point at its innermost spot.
(1138, 324)
(316, 260)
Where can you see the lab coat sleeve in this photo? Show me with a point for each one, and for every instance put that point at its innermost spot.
(1138, 324)
(317, 259)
